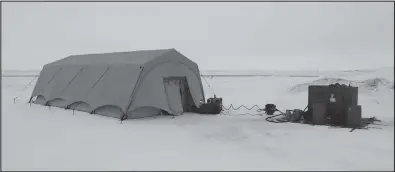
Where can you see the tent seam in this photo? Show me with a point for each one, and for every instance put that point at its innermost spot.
(108, 68)
(54, 76)
(72, 80)
(134, 91)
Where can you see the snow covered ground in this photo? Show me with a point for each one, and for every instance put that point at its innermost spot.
(41, 138)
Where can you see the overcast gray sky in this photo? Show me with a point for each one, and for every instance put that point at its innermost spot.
(261, 35)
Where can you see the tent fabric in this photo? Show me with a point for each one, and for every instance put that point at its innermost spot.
(118, 84)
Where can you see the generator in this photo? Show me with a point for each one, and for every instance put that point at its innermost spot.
(211, 106)
(333, 104)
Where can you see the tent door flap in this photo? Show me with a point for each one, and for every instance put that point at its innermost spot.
(174, 95)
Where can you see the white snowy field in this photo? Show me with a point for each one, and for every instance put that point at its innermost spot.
(41, 138)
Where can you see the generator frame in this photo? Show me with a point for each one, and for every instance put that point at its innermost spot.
(334, 104)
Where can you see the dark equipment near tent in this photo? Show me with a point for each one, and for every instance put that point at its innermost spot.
(212, 106)
(333, 104)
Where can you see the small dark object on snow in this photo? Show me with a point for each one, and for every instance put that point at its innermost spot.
(270, 109)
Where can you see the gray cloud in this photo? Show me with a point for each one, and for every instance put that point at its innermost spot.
(216, 35)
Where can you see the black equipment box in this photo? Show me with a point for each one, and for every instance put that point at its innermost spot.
(333, 104)
(212, 106)
(319, 112)
(354, 116)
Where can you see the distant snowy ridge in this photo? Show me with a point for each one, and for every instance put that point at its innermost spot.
(373, 84)
(19, 73)
(385, 72)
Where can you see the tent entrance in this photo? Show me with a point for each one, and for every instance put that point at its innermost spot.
(178, 94)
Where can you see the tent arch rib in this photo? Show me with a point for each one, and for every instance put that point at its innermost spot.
(77, 103)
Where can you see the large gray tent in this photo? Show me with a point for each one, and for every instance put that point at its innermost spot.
(122, 85)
